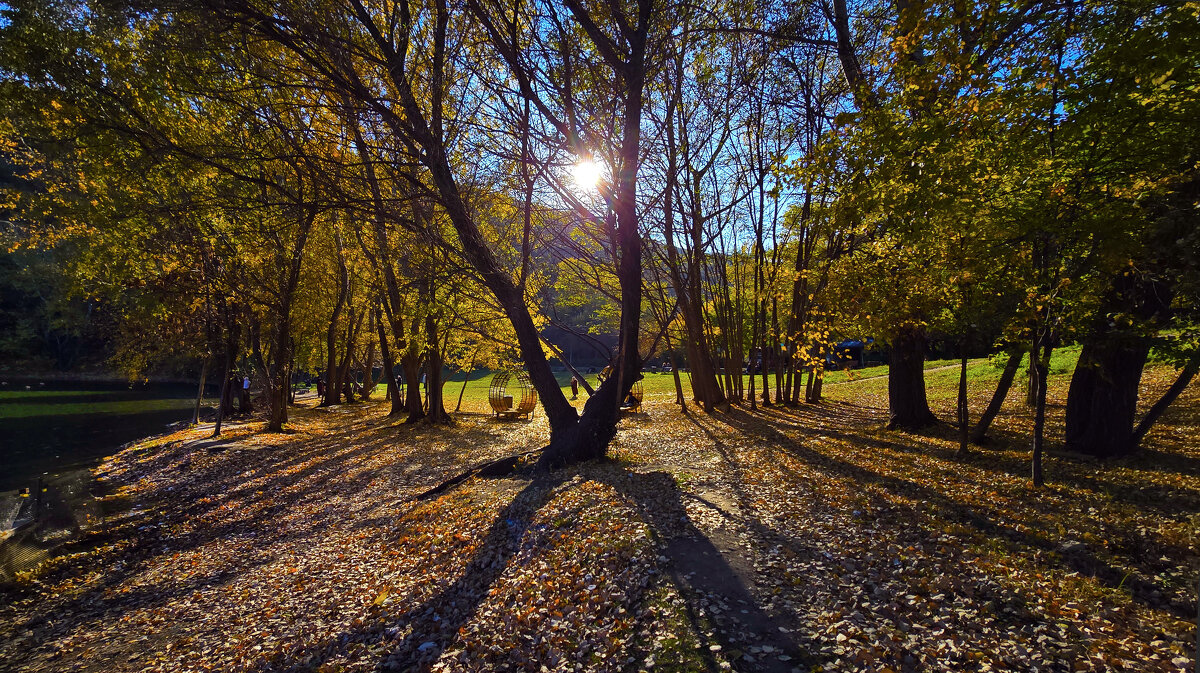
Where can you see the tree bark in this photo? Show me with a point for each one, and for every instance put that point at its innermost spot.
(818, 383)
(979, 433)
(436, 412)
(908, 407)
(1040, 370)
(963, 412)
(389, 370)
(333, 382)
(224, 405)
(1102, 401)
(200, 390)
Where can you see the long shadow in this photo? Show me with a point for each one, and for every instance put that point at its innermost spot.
(1141, 589)
(1168, 501)
(435, 622)
(263, 482)
(151, 544)
(697, 567)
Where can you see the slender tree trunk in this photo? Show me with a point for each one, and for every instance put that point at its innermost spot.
(343, 367)
(679, 399)
(411, 363)
(979, 433)
(200, 391)
(223, 407)
(907, 404)
(333, 383)
(963, 412)
(818, 383)
(433, 376)
(389, 370)
(1030, 387)
(467, 378)
(1041, 372)
(1185, 377)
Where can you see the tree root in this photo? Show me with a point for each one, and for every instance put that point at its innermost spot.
(495, 468)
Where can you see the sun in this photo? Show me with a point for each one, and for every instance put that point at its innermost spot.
(587, 173)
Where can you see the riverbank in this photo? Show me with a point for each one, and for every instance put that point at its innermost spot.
(789, 539)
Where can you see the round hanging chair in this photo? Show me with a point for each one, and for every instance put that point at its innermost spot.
(512, 395)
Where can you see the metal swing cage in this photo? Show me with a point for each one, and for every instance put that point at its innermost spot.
(512, 395)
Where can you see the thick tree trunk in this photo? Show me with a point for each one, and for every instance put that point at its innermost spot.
(979, 433)
(908, 407)
(1102, 401)
(1185, 377)
(411, 364)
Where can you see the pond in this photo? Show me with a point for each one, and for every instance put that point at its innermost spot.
(52, 427)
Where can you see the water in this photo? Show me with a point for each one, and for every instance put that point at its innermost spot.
(52, 427)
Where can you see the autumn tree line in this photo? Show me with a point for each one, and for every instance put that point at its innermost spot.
(352, 186)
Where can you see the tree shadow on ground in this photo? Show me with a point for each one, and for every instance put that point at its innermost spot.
(703, 574)
(431, 625)
(938, 503)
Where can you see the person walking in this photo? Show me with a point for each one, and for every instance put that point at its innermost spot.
(574, 387)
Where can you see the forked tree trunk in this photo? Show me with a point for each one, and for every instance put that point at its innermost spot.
(411, 364)
(908, 407)
(979, 433)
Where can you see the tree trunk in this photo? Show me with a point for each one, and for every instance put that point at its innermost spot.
(200, 391)
(389, 370)
(410, 362)
(1185, 377)
(818, 383)
(979, 433)
(963, 413)
(908, 407)
(333, 383)
(1102, 401)
(1040, 370)
(436, 412)
(224, 406)
(466, 379)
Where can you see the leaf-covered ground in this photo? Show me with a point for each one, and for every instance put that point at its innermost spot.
(780, 540)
